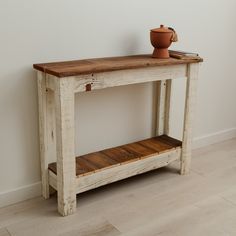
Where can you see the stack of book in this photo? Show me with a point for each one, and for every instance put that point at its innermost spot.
(183, 55)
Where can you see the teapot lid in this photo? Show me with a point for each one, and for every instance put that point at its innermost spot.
(162, 29)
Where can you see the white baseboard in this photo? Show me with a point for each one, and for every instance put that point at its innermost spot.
(34, 190)
(216, 137)
(20, 194)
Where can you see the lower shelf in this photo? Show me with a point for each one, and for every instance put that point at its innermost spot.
(98, 161)
(113, 164)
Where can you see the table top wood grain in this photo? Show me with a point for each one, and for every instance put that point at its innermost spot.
(97, 65)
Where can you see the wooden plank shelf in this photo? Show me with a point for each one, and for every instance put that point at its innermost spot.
(98, 161)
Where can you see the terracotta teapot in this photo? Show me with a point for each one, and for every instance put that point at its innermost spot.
(161, 39)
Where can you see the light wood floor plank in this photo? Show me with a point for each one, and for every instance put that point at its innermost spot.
(4, 232)
(103, 229)
(157, 203)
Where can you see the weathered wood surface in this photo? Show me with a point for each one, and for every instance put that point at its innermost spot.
(46, 130)
(109, 158)
(190, 100)
(122, 171)
(122, 77)
(127, 77)
(64, 100)
(97, 65)
(163, 106)
(167, 107)
(107, 176)
(52, 179)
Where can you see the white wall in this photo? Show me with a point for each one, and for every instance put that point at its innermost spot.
(33, 31)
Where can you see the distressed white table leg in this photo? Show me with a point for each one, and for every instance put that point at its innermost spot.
(191, 89)
(167, 107)
(161, 98)
(163, 106)
(46, 130)
(66, 174)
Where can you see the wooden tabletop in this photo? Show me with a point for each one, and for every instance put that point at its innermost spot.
(88, 66)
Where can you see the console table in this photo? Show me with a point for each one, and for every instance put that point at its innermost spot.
(57, 84)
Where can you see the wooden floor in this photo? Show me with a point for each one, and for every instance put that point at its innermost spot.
(157, 203)
(97, 161)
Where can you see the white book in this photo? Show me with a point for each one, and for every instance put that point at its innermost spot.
(190, 54)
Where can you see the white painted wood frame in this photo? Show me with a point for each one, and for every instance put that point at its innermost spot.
(122, 77)
(56, 119)
(66, 173)
(190, 100)
(47, 128)
(161, 105)
(167, 106)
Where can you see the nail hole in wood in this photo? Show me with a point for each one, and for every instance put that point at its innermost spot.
(88, 87)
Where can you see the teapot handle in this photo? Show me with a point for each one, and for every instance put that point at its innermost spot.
(174, 35)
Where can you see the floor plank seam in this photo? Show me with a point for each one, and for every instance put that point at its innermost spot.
(5, 231)
(8, 232)
(227, 200)
(198, 173)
